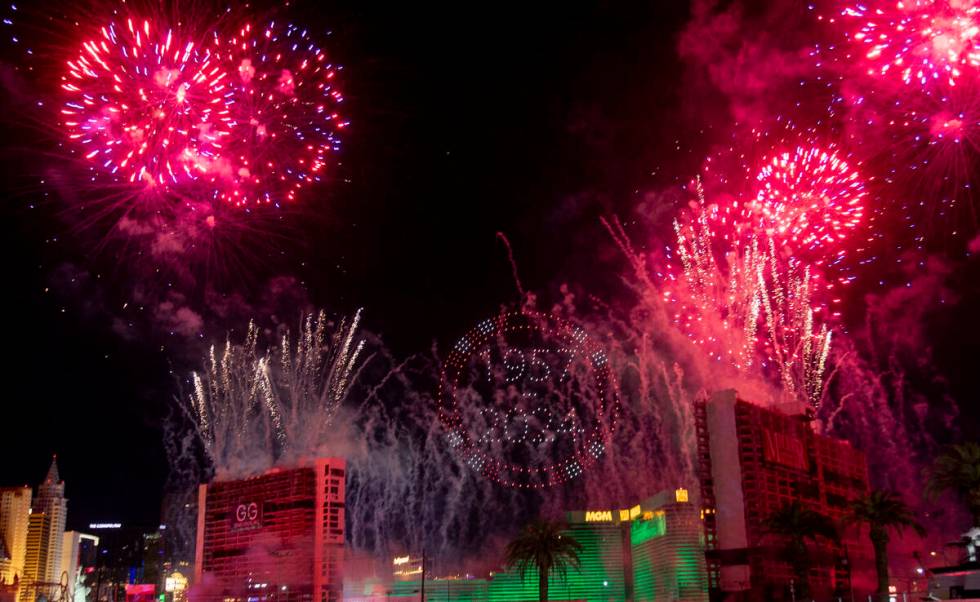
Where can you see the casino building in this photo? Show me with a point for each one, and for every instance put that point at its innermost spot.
(652, 551)
(277, 536)
(751, 461)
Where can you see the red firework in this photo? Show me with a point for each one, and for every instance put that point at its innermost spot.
(146, 104)
(283, 105)
(806, 198)
(918, 41)
(249, 117)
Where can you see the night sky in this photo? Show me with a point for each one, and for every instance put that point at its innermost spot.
(532, 119)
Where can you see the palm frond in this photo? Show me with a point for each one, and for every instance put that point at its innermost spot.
(543, 545)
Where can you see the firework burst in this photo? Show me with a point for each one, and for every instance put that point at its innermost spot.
(173, 133)
(145, 104)
(806, 198)
(931, 153)
(283, 104)
(924, 149)
(921, 42)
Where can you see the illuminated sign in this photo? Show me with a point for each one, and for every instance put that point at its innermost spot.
(680, 495)
(176, 582)
(105, 525)
(647, 529)
(623, 516)
(609, 516)
(247, 515)
(404, 572)
(400, 560)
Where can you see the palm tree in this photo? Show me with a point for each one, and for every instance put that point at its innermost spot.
(883, 511)
(796, 523)
(957, 470)
(542, 546)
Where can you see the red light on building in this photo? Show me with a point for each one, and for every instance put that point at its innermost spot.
(141, 592)
(277, 536)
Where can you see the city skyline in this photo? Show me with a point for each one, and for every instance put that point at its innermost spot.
(502, 262)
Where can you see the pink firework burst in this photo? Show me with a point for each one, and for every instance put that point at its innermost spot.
(145, 104)
(931, 150)
(283, 103)
(806, 198)
(919, 41)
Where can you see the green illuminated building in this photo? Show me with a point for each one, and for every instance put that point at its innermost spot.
(652, 551)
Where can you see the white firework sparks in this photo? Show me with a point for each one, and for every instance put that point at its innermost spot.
(253, 407)
(743, 302)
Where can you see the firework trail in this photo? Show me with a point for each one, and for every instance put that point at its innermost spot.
(254, 408)
(744, 304)
(703, 282)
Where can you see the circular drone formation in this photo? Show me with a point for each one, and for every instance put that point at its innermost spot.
(528, 400)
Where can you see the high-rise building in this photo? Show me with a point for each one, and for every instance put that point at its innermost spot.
(45, 535)
(35, 560)
(651, 551)
(279, 535)
(15, 512)
(752, 460)
(50, 501)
